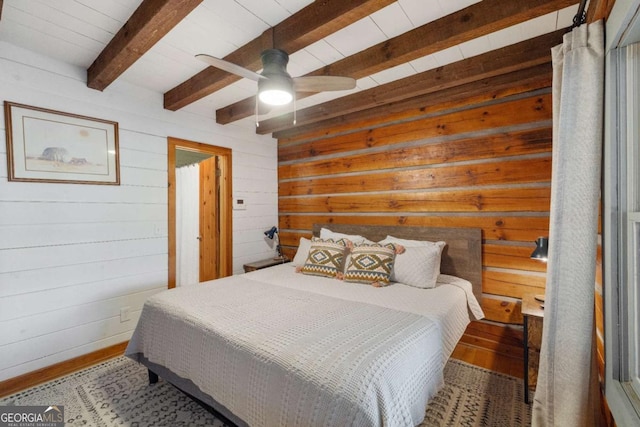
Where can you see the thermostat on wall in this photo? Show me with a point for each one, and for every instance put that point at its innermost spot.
(239, 204)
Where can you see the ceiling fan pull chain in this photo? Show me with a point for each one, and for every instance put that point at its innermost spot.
(294, 107)
(257, 100)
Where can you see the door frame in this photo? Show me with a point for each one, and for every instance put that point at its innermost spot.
(226, 203)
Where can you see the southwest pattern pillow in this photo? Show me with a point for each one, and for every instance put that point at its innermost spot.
(325, 257)
(371, 264)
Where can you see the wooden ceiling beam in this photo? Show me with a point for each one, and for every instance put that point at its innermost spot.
(467, 24)
(151, 21)
(491, 88)
(303, 28)
(519, 56)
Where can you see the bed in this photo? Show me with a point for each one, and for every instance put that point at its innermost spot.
(278, 347)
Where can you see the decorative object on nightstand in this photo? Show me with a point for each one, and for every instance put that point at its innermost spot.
(532, 314)
(269, 262)
(272, 233)
(540, 253)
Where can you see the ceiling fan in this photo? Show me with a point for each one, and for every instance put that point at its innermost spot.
(275, 85)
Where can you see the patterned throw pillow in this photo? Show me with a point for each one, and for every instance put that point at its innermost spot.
(325, 257)
(371, 264)
(356, 239)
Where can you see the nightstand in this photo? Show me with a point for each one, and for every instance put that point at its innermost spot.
(264, 263)
(533, 315)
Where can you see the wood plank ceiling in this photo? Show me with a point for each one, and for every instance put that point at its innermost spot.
(397, 50)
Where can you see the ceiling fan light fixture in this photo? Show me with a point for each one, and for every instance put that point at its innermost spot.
(275, 96)
(276, 88)
(275, 85)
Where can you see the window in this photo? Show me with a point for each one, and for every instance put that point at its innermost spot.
(633, 283)
(621, 214)
(631, 227)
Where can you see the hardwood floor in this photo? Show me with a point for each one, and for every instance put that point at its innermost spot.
(491, 346)
(489, 360)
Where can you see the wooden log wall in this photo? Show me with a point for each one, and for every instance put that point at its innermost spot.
(478, 161)
(473, 155)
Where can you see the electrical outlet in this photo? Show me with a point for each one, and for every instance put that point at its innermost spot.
(125, 314)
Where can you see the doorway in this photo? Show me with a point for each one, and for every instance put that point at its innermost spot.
(214, 212)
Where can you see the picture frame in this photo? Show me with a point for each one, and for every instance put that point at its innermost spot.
(56, 147)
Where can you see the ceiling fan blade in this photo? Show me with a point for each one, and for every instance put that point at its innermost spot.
(323, 83)
(229, 67)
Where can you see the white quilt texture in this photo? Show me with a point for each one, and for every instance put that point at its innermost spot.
(279, 348)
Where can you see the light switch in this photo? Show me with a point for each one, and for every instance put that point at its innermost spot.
(239, 204)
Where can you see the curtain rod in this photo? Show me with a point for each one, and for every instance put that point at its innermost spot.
(581, 16)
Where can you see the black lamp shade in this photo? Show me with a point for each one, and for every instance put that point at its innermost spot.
(542, 249)
(271, 232)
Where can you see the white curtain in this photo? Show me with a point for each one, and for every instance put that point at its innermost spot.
(567, 390)
(187, 225)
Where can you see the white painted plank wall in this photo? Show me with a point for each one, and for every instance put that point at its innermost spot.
(71, 256)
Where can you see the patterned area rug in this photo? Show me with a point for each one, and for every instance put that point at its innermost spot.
(117, 393)
(474, 396)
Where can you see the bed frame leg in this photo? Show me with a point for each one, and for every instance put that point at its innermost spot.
(153, 377)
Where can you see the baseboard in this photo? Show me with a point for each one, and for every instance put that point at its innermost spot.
(39, 376)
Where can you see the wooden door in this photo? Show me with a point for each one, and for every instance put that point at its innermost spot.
(209, 218)
(224, 234)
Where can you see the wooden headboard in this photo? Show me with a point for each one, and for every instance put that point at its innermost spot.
(461, 257)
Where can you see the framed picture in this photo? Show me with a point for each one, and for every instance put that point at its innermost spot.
(52, 146)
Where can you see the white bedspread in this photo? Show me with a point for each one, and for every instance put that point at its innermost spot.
(291, 354)
(448, 304)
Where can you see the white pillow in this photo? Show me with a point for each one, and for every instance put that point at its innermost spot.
(412, 243)
(419, 265)
(356, 239)
(302, 253)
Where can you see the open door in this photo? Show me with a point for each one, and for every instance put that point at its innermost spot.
(215, 209)
(210, 174)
